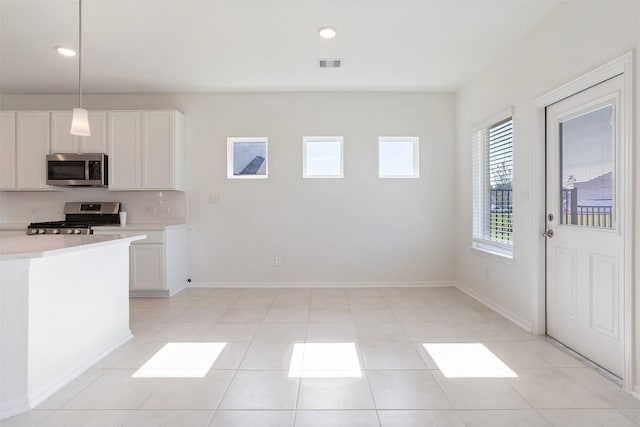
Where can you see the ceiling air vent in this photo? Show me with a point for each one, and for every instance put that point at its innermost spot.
(329, 63)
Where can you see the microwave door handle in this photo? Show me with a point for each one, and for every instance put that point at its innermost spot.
(86, 170)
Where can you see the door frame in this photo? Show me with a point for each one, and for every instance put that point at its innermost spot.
(622, 65)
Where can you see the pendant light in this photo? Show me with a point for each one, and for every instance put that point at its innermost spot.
(80, 120)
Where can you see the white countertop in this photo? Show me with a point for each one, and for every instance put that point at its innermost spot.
(14, 226)
(48, 245)
(139, 226)
(131, 226)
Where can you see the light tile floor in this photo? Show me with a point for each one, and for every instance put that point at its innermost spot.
(401, 385)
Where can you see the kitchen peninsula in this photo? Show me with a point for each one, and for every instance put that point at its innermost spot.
(64, 305)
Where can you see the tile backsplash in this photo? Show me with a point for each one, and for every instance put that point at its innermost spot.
(141, 206)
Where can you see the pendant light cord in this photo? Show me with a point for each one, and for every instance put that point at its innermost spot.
(80, 54)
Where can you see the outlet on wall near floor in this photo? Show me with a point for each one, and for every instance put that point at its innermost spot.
(277, 261)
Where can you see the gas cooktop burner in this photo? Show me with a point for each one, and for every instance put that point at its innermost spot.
(79, 217)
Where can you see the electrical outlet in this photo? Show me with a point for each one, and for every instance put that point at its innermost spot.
(164, 210)
(277, 261)
(149, 210)
(215, 199)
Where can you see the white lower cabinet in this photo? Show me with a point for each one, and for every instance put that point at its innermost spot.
(147, 267)
(158, 264)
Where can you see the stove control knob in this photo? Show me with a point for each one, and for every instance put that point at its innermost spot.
(56, 231)
(41, 231)
(69, 231)
(76, 231)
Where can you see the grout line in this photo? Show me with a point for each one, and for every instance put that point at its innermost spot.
(599, 369)
(235, 371)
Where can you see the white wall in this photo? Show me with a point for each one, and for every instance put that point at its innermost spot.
(574, 39)
(359, 229)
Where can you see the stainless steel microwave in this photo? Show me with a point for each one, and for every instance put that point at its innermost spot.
(78, 170)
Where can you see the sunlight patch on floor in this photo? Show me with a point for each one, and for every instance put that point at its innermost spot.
(181, 360)
(468, 360)
(325, 360)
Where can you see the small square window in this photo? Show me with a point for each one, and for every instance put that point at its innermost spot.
(247, 157)
(398, 157)
(322, 157)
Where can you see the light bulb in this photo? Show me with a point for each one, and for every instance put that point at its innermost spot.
(327, 32)
(65, 51)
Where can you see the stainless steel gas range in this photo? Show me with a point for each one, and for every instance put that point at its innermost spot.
(79, 218)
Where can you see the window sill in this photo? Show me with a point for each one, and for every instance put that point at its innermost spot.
(494, 253)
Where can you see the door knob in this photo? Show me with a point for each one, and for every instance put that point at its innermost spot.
(548, 233)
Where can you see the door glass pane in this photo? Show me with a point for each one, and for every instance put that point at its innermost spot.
(587, 157)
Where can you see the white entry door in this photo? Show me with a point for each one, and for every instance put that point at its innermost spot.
(584, 244)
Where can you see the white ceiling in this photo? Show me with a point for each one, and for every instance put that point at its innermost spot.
(257, 45)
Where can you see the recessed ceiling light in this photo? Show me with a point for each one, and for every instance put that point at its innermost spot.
(65, 51)
(327, 32)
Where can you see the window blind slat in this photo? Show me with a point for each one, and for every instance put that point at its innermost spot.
(492, 172)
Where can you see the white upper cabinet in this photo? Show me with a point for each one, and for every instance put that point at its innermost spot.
(33, 143)
(162, 150)
(63, 142)
(125, 150)
(7, 150)
(61, 139)
(97, 142)
(146, 150)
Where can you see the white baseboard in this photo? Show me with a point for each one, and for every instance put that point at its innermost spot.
(635, 392)
(14, 407)
(508, 314)
(42, 393)
(320, 284)
(150, 293)
(417, 284)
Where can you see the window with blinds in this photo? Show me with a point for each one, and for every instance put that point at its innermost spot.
(492, 159)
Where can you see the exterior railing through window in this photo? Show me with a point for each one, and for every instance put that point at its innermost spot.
(584, 215)
(501, 218)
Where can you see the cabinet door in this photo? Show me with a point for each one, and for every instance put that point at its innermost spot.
(61, 139)
(124, 150)
(7, 151)
(97, 142)
(158, 137)
(32, 149)
(63, 142)
(147, 267)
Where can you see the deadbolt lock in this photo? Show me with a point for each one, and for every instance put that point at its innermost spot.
(550, 217)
